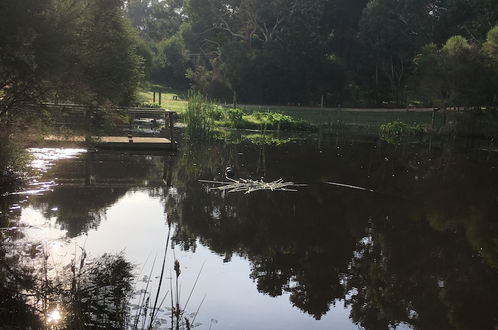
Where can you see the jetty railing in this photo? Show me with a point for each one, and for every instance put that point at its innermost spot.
(91, 119)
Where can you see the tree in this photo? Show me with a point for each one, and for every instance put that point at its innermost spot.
(23, 64)
(155, 20)
(491, 45)
(110, 64)
(454, 75)
(79, 51)
(390, 31)
(171, 62)
(426, 81)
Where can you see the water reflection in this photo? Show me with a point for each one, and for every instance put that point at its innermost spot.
(422, 252)
(418, 248)
(86, 186)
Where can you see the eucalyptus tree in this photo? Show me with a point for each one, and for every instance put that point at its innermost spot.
(266, 51)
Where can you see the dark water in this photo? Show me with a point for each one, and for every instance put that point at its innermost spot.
(417, 249)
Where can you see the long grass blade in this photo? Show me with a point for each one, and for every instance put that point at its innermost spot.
(193, 287)
(153, 312)
(198, 309)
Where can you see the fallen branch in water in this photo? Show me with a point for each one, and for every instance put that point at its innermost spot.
(248, 186)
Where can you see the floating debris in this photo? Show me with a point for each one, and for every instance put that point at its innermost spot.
(348, 186)
(248, 186)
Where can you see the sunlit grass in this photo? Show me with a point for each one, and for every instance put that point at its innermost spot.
(170, 99)
(372, 120)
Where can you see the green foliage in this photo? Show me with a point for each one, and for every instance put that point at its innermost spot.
(68, 51)
(491, 45)
(275, 121)
(13, 164)
(236, 118)
(111, 64)
(455, 75)
(286, 52)
(398, 128)
(426, 80)
(202, 116)
(197, 116)
(170, 63)
(229, 136)
(155, 20)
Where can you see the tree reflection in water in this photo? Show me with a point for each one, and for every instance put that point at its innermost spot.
(85, 294)
(422, 250)
(422, 253)
(36, 293)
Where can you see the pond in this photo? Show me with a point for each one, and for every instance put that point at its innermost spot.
(382, 235)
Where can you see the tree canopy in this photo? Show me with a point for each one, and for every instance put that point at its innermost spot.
(66, 50)
(361, 52)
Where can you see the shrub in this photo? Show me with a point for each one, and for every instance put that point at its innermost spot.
(398, 128)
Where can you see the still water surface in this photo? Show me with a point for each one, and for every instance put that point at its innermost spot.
(416, 248)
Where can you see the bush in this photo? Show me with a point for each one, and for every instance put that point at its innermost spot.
(275, 121)
(398, 128)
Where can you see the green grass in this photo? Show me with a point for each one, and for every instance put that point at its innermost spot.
(170, 99)
(400, 128)
(371, 120)
(252, 117)
(237, 118)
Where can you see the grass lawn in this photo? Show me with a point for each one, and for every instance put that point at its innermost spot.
(168, 96)
(316, 116)
(364, 119)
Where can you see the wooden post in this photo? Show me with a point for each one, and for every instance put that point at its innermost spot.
(159, 98)
(171, 118)
(321, 103)
(166, 124)
(433, 121)
(153, 97)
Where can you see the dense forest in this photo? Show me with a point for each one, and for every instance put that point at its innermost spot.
(351, 52)
(345, 52)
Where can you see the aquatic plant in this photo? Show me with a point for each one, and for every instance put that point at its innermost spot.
(398, 128)
(248, 186)
(197, 116)
(258, 138)
(149, 308)
(273, 121)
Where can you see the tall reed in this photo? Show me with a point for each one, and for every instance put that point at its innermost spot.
(197, 118)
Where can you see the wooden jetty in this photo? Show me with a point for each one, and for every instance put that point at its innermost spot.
(117, 142)
(125, 142)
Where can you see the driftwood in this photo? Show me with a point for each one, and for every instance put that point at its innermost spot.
(248, 186)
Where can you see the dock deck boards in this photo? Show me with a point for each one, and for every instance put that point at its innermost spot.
(119, 142)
